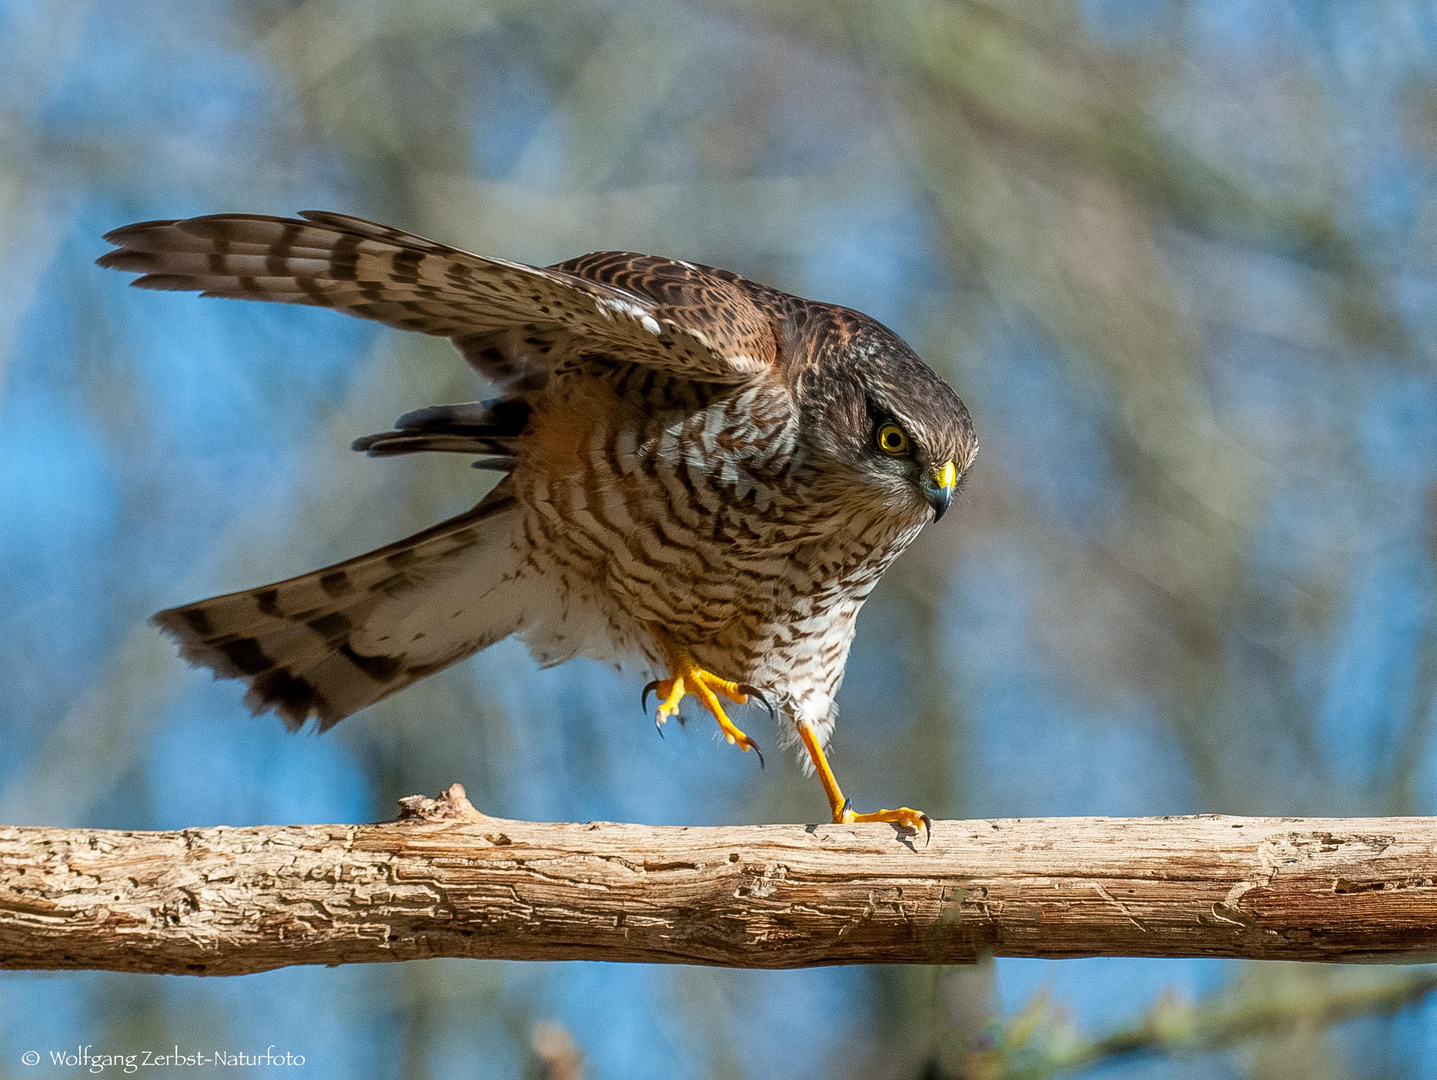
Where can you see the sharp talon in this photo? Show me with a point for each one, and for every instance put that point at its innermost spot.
(659, 727)
(927, 829)
(756, 693)
(744, 743)
(689, 680)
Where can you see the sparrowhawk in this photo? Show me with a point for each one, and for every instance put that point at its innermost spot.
(700, 473)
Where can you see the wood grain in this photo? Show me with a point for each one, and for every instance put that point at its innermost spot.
(446, 881)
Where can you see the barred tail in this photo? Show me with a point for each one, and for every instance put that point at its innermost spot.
(331, 642)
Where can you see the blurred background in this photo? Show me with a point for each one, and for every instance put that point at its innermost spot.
(1177, 256)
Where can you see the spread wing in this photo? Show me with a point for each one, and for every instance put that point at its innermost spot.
(691, 321)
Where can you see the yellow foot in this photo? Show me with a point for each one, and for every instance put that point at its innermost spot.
(689, 678)
(906, 816)
(843, 808)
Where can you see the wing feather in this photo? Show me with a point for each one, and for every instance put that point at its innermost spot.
(684, 319)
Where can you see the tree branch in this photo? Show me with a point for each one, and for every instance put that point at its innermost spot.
(445, 880)
(1175, 1026)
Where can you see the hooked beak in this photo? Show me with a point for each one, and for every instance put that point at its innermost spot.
(939, 488)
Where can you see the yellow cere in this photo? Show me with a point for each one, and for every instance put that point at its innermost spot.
(947, 475)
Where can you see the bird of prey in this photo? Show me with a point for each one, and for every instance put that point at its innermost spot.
(700, 474)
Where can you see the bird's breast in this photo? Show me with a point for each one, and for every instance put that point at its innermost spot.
(669, 502)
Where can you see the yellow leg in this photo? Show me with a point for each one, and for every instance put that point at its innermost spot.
(689, 678)
(842, 808)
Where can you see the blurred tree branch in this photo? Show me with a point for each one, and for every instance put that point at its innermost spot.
(1040, 1042)
(1177, 1026)
(446, 880)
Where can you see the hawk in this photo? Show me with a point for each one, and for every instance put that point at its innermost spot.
(700, 473)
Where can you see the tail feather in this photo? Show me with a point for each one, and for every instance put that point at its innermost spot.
(333, 641)
(476, 427)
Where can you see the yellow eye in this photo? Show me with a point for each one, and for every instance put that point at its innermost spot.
(892, 440)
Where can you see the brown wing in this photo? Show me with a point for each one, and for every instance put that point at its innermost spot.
(680, 318)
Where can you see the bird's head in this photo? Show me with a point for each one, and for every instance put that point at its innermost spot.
(886, 417)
